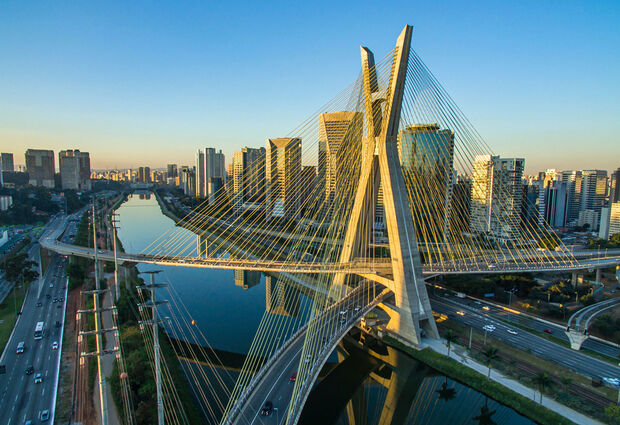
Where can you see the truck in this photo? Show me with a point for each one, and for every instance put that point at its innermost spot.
(461, 295)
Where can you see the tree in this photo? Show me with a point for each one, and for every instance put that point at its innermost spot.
(18, 268)
(542, 381)
(490, 354)
(613, 413)
(450, 337)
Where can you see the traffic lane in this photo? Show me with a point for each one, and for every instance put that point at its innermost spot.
(280, 377)
(30, 397)
(594, 345)
(581, 363)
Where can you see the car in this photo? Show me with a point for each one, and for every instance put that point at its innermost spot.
(308, 358)
(38, 378)
(460, 313)
(55, 345)
(28, 423)
(486, 308)
(266, 409)
(488, 328)
(548, 331)
(30, 370)
(58, 324)
(20, 348)
(512, 332)
(45, 415)
(39, 304)
(293, 377)
(612, 381)
(51, 285)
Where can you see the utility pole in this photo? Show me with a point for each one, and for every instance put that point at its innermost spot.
(116, 285)
(471, 331)
(155, 323)
(98, 331)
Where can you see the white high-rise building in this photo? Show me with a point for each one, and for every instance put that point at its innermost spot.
(496, 196)
(282, 174)
(200, 174)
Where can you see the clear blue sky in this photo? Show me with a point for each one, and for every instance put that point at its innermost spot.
(142, 83)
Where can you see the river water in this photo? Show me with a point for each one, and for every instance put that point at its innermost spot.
(227, 308)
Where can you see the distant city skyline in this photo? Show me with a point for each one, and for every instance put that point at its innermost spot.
(150, 83)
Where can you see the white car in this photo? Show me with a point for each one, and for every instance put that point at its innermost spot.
(488, 328)
(55, 345)
(612, 381)
(511, 332)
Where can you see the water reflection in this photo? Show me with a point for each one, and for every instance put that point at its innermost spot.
(365, 382)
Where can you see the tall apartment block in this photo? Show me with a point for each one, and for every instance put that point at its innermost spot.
(593, 190)
(573, 179)
(282, 174)
(74, 170)
(41, 167)
(200, 174)
(6, 162)
(496, 196)
(248, 169)
(340, 144)
(215, 173)
(427, 158)
(614, 187)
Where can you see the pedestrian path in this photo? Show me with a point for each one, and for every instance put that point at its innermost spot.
(460, 355)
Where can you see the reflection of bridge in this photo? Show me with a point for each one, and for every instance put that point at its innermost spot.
(350, 279)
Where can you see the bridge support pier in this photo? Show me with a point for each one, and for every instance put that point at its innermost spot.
(576, 338)
(598, 277)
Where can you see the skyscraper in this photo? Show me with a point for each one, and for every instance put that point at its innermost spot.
(215, 172)
(573, 179)
(144, 175)
(41, 167)
(593, 190)
(200, 174)
(74, 170)
(6, 161)
(427, 157)
(496, 196)
(248, 179)
(282, 174)
(340, 144)
(614, 186)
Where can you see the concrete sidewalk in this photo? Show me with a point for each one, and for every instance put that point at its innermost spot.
(459, 354)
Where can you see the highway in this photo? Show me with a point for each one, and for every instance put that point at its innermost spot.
(531, 323)
(477, 318)
(21, 399)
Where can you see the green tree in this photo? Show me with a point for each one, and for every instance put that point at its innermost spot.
(566, 382)
(18, 268)
(450, 337)
(542, 382)
(613, 413)
(490, 354)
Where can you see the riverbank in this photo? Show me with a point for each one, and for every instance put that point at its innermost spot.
(460, 367)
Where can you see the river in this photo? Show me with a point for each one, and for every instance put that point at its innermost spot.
(227, 309)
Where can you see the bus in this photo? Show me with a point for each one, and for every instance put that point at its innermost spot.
(38, 331)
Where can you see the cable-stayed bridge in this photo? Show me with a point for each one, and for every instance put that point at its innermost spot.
(387, 184)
